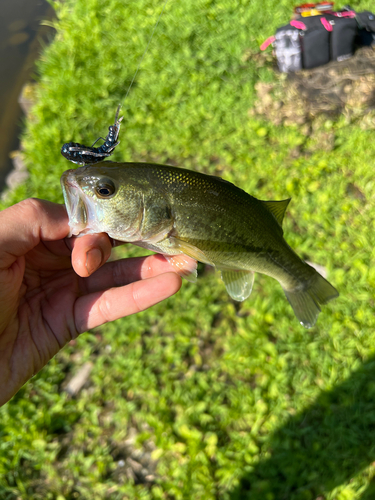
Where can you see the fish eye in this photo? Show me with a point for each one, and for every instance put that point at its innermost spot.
(105, 188)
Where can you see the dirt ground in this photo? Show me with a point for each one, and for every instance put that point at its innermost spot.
(334, 89)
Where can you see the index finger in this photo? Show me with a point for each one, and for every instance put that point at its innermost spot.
(97, 308)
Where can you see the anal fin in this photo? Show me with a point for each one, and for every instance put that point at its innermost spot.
(238, 283)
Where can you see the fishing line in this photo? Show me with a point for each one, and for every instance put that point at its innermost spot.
(144, 53)
(84, 155)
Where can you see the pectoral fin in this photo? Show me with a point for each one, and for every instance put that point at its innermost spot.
(190, 250)
(238, 283)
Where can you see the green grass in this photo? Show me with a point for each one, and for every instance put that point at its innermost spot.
(240, 401)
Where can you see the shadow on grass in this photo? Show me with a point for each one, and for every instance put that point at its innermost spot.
(320, 448)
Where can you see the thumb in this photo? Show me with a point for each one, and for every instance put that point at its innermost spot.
(25, 224)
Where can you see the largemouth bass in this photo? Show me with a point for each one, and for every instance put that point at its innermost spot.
(175, 211)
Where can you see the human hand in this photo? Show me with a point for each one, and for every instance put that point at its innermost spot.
(51, 287)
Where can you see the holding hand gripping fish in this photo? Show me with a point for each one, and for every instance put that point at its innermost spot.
(175, 211)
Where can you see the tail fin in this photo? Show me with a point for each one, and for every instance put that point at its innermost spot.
(306, 300)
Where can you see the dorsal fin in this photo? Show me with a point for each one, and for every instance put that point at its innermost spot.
(277, 209)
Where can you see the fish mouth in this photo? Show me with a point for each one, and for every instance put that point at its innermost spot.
(75, 206)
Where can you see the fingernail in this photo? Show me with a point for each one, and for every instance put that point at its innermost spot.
(94, 259)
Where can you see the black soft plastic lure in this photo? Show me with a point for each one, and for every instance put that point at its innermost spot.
(83, 155)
